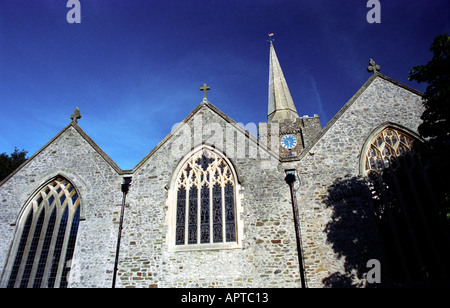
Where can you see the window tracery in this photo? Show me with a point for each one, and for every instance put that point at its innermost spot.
(385, 148)
(205, 201)
(48, 229)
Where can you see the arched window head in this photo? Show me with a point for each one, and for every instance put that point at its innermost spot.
(384, 149)
(45, 238)
(204, 203)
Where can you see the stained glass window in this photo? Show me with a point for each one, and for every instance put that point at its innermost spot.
(204, 214)
(46, 239)
(386, 147)
(193, 215)
(181, 215)
(205, 205)
(229, 213)
(217, 213)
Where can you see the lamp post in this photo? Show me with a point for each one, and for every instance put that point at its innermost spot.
(125, 187)
(290, 180)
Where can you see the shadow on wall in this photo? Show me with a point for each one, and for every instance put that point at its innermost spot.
(351, 231)
(399, 216)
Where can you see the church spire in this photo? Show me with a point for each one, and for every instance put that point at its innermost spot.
(281, 105)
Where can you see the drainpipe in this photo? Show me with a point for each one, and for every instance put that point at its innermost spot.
(125, 187)
(290, 180)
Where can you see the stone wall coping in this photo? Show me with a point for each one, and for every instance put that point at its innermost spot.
(84, 135)
(204, 104)
(347, 106)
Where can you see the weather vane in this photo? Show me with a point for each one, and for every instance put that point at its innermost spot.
(271, 39)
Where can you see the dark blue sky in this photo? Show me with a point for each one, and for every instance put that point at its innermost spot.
(134, 68)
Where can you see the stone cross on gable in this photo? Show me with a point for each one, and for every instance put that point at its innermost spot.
(204, 89)
(375, 68)
(76, 115)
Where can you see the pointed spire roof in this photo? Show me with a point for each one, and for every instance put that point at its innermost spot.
(281, 105)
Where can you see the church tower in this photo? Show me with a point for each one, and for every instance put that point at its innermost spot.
(293, 133)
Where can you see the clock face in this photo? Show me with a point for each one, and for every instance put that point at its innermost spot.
(288, 142)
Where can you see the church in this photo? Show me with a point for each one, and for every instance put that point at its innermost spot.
(211, 205)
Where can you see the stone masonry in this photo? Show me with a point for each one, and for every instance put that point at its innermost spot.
(336, 153)
(267, 255)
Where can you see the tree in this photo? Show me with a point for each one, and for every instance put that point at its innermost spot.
(403, 212)
(10, 163)
(436, 117)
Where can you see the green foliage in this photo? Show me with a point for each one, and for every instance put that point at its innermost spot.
(9, 163)
(436, 117)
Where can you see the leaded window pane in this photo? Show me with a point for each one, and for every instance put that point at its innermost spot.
(20, 250)
(42, 254)
(45, 249)
(210, 204)
(33, 249)
(217, 214)
(229, 213)
(58, 249)
(386, 162)
(204, 161)
(193, 215)
(70, 248)
(385, 148)
(181, 215)
(204, 214)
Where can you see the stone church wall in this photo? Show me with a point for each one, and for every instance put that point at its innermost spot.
(98, 185)
(268, 254)
(336, 155)
(267, 257)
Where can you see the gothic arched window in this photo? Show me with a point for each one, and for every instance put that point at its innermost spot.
(45, 238)
(384, 149)
(205, 203)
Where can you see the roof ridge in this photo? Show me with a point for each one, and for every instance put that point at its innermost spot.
(83, 134)
(349, 103)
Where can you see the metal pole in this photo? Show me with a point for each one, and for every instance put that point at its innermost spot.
(125, 187)
(290, 179)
